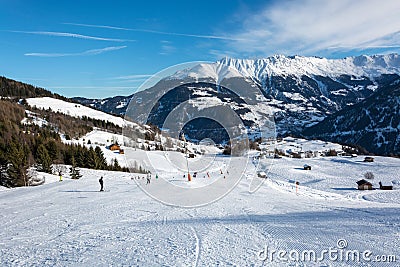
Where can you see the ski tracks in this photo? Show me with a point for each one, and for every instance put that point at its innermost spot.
(197, 251)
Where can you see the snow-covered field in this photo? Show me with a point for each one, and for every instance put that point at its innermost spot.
(72, 109)
(290, 144)
(70, 223)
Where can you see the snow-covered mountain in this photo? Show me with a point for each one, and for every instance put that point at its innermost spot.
(373, 123)
(304, 90)
(301, 91)
(279, 65)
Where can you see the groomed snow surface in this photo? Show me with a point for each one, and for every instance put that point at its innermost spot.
(71, 223)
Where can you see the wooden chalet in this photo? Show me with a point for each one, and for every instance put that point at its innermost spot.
(114, 147)
(262, 174)
(368, 159)
(364, 185)
(307, 167)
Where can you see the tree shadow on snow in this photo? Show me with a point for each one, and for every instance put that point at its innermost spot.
(344, 188)
(79, 191)
(356, 162)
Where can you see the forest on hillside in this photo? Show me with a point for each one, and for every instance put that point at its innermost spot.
(14, 89)
(27, 145)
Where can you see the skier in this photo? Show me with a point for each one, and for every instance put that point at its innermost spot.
(101, 183)
(148, 178)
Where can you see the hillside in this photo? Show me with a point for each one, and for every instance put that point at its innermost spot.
(32, 136)
(14, 89)
(73, 109)
(373, 123)
(114, 105)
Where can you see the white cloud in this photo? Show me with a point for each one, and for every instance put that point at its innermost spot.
(97, 26)
(129, 79)
(73, 35)
(312, 26)
(167, 48)
(133, 76)
(91, 52)
(219, 37)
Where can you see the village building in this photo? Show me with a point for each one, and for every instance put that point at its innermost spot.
(364, 185)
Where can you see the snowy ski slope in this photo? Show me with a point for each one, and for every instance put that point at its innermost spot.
(70, 223)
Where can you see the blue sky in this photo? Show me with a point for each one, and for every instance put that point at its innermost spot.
(99, 49)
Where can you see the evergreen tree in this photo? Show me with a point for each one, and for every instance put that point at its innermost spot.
(101, 162)
(18, 158)
(115, 165)
(74, 170)
(53, 150)
(4, 178)
(79, 156)
(43, 159)
(90, 158)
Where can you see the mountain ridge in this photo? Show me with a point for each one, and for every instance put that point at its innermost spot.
(302, 91)
(373, 123)
(363, 65)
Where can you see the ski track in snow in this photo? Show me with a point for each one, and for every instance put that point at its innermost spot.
(70, 223)
(197, 247)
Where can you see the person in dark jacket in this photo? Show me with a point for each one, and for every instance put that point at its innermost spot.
(101, 183)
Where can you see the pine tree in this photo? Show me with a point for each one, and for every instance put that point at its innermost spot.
(4, 177)
(18, 158)
(79, 156)
(116, 166)
(43, 159)
(74, 170)
(101, 162)
(90, 158)
(53, 150)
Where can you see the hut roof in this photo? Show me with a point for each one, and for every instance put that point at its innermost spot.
(363, 182)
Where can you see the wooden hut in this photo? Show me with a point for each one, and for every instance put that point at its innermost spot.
(114, 147)
(368, 159)
(364, 185)
(307, 167)
(262, 174)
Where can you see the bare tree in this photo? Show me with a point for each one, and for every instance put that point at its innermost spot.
(59, 169)
(369, 175)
